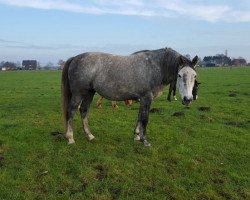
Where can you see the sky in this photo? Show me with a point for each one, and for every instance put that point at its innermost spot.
(49, 30)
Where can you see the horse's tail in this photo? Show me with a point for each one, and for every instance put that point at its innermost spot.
(65, 91)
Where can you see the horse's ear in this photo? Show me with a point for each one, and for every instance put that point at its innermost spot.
(194, 61)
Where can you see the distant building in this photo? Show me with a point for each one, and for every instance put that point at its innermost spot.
(239, 62)
(5, 66)
(29, 64)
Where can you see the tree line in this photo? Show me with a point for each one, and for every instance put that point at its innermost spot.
(223, 60)
(34, 65)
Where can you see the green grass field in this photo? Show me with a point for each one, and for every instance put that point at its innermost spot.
(201, 155)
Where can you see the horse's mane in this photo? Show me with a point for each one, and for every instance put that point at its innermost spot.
(142, 51)
(171, 64)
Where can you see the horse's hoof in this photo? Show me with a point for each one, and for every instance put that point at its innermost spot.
(71, 141)
(91, 137)
(146, 143)
(137, 137)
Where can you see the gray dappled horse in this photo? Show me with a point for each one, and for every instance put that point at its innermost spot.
(140, 76)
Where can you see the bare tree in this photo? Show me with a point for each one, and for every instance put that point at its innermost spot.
(61, 63)
(48, 66)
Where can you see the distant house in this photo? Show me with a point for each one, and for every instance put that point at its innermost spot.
(29, 64)
(239, 62)
(5, 66)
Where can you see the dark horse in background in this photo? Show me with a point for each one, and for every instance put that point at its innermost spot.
(140, 76)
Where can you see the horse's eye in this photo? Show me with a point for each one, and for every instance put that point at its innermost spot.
(179, 75)
(195, 76)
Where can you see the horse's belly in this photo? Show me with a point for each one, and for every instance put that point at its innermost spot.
(117, 95)
(117, 92)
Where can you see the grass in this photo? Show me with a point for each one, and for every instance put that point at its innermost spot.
(201, 155)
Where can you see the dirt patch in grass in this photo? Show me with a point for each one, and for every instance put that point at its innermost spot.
(246, 93)
(157, 110)
(44, 173)
(102, 172)
(235, 124)
(199, 160)
(204, 196)
(75, 191)
(79, 188)
(225, 195)
(58, 135)
(243, 193)
(9, 126)
(218, 181)
(171, 166)
(178, 114)
(1, 161)
(233, 93)
(115, 192)
(1, 151)
(204, 108)
(84, 183)
(60, 191)
(208, 119)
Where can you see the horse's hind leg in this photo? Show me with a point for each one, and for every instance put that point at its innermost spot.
(99, 102)
(114, 104)
(74, 103)
(128, 102)
(87, 99)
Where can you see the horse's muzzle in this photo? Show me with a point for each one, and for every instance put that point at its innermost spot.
(186, 101)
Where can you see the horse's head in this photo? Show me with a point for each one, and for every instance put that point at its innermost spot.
(195, 89)
(186, 79)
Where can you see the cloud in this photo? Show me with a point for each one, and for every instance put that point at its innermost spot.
(52, 5)
(211, 11)
(98, 7)
(109, 48)
(197, 11)
(3, 41)
(22, 45)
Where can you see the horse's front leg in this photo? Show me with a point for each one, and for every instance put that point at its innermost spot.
(142, 121)
(87, 99)
(137, 130)
(174, 92)
(169, 92)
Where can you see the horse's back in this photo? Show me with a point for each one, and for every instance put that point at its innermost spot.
(112, 76)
